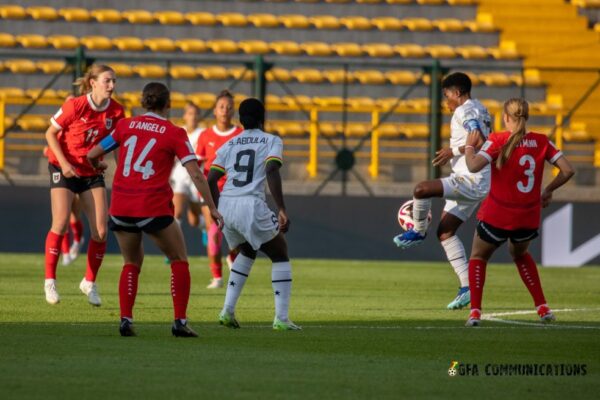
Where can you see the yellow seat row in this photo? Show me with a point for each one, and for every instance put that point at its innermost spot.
(586, 3)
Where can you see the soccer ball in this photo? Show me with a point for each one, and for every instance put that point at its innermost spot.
(405, 217)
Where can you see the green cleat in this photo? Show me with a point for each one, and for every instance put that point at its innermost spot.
(279, 325)
(228, 319)
(462, 299)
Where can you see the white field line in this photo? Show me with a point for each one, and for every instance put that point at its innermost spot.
(493, 317)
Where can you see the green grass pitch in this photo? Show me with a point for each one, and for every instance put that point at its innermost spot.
(371, 330)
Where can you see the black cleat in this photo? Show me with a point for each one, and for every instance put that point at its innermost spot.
(126, 328)
(179, 329)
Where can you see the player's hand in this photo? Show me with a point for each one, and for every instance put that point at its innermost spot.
(101, 166)
(284, 221)
(473, 139)
(217, 217)
(546, 198)
(68, 171)
(442, 156)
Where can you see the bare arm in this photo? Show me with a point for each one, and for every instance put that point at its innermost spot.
(444, 155)
(93, 157)
(475, 162)
(274, 181)
(66, 167)
(202, 186)
(213, 183)
(565, 173)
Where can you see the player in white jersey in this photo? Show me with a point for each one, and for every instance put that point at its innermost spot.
(249, 159)
(462, 190)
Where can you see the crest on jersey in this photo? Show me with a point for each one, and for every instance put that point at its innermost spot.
(55, 177)
(108, 123)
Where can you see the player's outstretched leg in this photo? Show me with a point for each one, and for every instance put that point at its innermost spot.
(420, 214)
(128, 286)
(240, 270)
(530, 277)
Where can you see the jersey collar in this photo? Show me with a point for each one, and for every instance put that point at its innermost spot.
(153, 115)
(94, 107)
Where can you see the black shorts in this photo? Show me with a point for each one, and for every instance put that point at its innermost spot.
(497, 236)
(75, 185)
(139, 224)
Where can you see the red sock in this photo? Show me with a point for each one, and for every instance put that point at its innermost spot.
(77, 229)
(476, 282)
(64, 245)
(53, 242)
(232, 255)
(128, 285)
(95, 253)
(216, 269)
(180, 287)
(531, 279)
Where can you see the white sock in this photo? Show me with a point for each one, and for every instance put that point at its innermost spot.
(281, 277)
(237, 278)
(455, 252)
(420, 212)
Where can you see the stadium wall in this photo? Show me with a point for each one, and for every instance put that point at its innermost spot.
(334, 227)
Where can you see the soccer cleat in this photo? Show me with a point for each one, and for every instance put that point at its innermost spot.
(215, 283)
(408, 239)
(181, 329)
(67, 259)
(228, 320)
(462, 299)
(75, 248)
(126, 328)
(474, 318)
(545, 314)
(279, 325)
(52, 296)
(91, 291)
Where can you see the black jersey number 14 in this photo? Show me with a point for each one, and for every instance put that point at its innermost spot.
(244, 163)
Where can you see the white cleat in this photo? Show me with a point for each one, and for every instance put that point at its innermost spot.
(75, 248)
(215, 283)
(67, 259)
(91, 291)
(52, 296)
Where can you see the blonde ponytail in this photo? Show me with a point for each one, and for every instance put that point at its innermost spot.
(92, 73)
(516, 109)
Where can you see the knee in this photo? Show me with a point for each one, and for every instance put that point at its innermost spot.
(517, 254)
(100, 234)
(444, 235)
(420, 191)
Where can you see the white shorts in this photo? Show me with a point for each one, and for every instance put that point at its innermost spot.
(247, 219)
(463, 193)
(186, 187)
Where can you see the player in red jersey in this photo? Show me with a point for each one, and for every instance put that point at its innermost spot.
(84, 121)
(512, 209)
(209, 142)
(142, 200)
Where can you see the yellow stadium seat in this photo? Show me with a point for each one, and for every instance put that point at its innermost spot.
(201, 18)
(131, 97)
(297, 101)
(399, 77)
(223, 46)
(286, 47)
(178, 97)
(73, 14)
(263, 20)
(474, 78)
(121, 69)
(597, 27)
(202, 99)
(370, 77)
(183, 72)
(324, 22)
(431, 2)
(462, 2)
(272, 100)
(378, 49)
(128, 43)
(107, 15)
(278, 74)
(254, 47)
(357, 129)
(242, 73)
(347, 49)
(63, 42)
(48, 94)
(472, 52)
(232, 19)
(388, 130)
(12, 92)
(495, 79)
(532, 77)
(387, 23)
(507, 50)
(294, 21)
(42, 13)
(32, 41)
(20, 66)
(491, 104)
(7, 40)
(417, 24)
(212, 72)
(338, 1)
(12, 12)
(356, 23)
(410, 50)
(316, 48)
(338, 76)
(191, 45)
(149, 71)
(138, 16)
(418, 104)
(328, 128)
(307, 1)
(292, 128)
(484, 22)
(440, 51)
(169, 17)
(307, 75)
(33, 123)
(50, 66)
(399, 1)
(361, 103)
(96, 42)
(369, 1)
(449, 25)
(160, 44)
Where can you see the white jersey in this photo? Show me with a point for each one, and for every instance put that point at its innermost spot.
(179, 172)
(243, 160)
(467, 117)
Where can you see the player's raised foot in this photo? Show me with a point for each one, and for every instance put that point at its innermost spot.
(408, 239)
(545, 313)
(228, 319)
(181, 329)
(75, 248)
(52, 296)
(279, 325)
(462, 299)
(91, 291)
(474, 318)
(215, 283)
(126, 327)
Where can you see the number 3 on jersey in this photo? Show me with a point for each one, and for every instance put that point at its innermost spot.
(244, 163)
(526, 188)
(146, 169)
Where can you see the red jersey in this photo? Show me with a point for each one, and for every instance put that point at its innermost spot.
(209, 142)
(149, 145)
(514, 201)
(83, 125)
